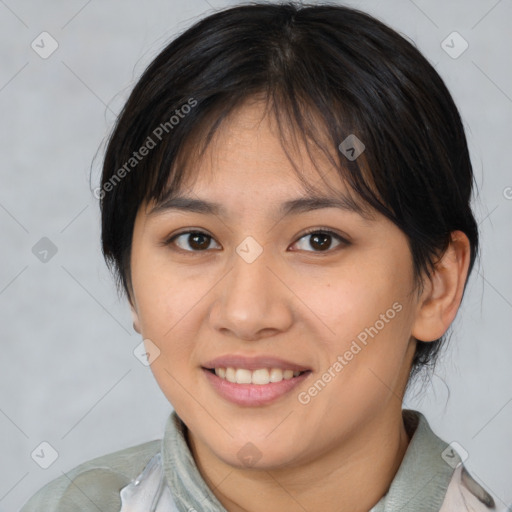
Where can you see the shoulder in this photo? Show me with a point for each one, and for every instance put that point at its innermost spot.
(464, 493)
(95, 484)
(432, 475)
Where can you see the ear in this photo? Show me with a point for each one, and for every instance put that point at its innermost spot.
(442, 293)
(135, 317)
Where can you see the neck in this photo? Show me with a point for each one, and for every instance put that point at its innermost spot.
(352, 477)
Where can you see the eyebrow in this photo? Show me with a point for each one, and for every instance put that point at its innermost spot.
(290, 207)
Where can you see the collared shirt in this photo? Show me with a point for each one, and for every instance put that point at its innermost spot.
(162, 476)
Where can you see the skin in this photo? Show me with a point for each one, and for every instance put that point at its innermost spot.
(340, 451)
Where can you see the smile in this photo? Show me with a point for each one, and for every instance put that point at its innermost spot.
(254, 388)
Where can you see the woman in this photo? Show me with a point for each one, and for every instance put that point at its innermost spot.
(286, 203)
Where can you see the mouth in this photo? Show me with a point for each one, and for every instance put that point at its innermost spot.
(253, 382)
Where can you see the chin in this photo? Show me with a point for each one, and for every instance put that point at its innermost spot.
(258, 453)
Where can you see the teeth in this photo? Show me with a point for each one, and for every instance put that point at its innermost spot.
(276, 375)
(260, 376)
(243, 376)
(230, 375)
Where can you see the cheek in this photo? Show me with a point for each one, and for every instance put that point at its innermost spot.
(366, 317)
(160, 296)
(351, 299)
(159, 290)
(166, 303)
(172, 305)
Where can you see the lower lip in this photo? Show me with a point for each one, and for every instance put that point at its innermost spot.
(253, 394)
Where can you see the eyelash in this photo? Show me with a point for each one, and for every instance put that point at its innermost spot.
(314, 231)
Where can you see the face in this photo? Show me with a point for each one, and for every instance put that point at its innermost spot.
(282, 333)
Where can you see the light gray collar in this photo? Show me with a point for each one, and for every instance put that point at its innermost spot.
(425, 472)
(189, 490)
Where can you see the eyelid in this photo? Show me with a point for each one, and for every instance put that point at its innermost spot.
(187, 231)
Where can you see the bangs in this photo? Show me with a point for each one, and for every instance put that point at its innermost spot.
(297, 138)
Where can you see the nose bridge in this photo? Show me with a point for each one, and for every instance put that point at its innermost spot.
(251, 299)
(249, 280)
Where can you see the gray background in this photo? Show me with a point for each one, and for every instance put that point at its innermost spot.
(68, 373)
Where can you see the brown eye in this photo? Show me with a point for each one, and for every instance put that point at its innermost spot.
(321, 241)
(196, 241)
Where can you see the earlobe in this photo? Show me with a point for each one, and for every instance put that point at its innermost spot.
(442, 294)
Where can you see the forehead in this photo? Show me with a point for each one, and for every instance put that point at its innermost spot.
(250, 142)
(251, 158)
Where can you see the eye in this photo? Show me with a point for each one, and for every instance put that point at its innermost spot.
(321, 240)
(197, 240)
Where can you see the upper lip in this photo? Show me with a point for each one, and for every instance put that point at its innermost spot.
(253, 363)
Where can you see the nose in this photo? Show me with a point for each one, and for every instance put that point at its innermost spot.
(252, 302)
